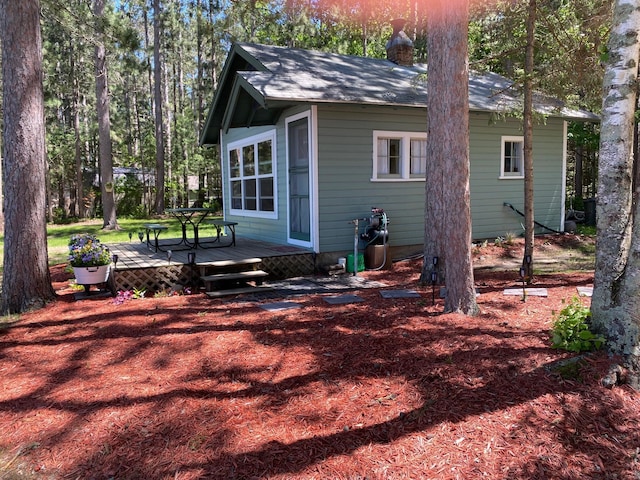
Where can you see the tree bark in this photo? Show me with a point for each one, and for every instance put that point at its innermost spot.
(529, 225)
(159, 130)
(615, 304)
(77, 139)
(447, 197)
(104, 124)
(26, 282)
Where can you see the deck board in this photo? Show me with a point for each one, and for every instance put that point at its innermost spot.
(139, 266)
(137, 254)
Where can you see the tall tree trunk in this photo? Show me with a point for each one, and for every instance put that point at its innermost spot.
(90, 206)
(26, 282)
(129, 115)
(147, 44)
(199, 95)
(168, 134)
(447, 197)
(578, 178)
(157, 71)
(147, 199)
(2, 148)
(48, 189)
(615, 304)
(104, 124)
(529, 225)
(214, 49)
(365, 33)
(180, 105)
(200, 105)
(77, 139)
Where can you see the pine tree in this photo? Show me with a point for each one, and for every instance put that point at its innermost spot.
(26, 282)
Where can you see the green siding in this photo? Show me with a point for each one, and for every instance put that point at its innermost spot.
(345, 150)
(489, 193)
(345, 138)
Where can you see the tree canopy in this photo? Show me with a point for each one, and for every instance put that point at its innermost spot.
(194, 38)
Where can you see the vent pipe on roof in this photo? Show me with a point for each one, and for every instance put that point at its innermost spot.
(400, 46)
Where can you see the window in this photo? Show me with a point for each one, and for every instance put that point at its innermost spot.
(418, 157)
(389, 157)
(399, 155)
(512, 164)
(251, 175)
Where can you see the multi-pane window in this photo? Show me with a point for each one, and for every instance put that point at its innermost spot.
(399, 155)
(251, 175)
(389, 157)
(512, 164)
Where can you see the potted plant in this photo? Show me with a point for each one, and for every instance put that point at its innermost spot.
(90, 259)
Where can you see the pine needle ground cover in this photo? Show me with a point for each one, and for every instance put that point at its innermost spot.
(186, 387)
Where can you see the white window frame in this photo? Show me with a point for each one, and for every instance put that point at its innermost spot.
(405, 174)
(511, 175)
(240, 144)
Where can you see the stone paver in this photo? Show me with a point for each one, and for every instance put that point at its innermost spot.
(399, 294)
(532, 292)
(343, 299)
(279, 306)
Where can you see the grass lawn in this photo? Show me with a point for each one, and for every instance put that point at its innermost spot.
(58, 235)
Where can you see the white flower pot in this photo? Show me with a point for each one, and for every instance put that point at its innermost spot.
(91, 275)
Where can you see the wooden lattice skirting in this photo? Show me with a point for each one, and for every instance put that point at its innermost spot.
(175, 276)
(154, 279)
(288, 266)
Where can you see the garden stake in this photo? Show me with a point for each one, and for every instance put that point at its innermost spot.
(434, 279)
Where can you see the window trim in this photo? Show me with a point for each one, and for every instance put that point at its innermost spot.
(240, 144)
(513, 139)
(405, 160)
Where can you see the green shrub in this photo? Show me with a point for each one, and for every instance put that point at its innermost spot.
(588, 230)
(571, 329)
(510, 238)
(138, 212)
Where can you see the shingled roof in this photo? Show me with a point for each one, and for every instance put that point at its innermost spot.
(259, 81)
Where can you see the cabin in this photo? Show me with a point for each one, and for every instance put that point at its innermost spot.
(311, 141)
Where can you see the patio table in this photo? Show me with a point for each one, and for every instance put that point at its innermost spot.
(193, 217)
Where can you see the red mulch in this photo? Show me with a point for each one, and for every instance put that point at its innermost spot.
(186, 387)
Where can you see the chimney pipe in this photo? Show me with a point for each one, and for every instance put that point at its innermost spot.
(399, 47)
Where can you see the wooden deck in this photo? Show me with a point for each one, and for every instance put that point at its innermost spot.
(140, 267)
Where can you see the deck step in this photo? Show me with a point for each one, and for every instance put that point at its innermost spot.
(238, 291)
(246, 275)
(231, 263)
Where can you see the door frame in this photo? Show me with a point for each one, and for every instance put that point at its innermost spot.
(311, 115)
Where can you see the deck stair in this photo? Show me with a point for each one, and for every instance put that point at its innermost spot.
(230, 277)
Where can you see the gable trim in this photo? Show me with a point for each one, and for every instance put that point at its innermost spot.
(240, 85)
